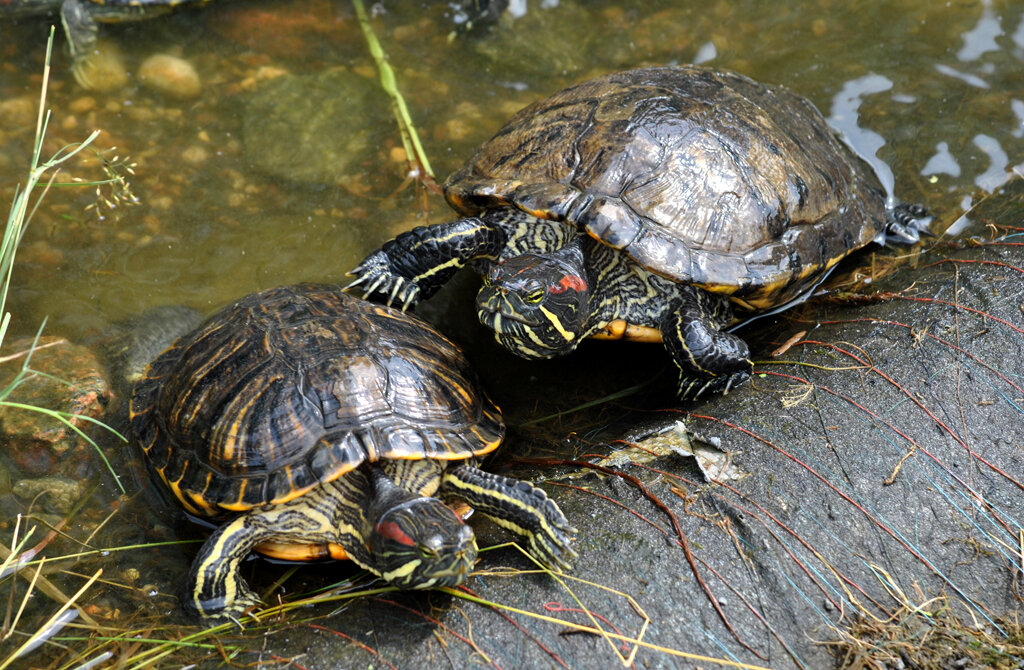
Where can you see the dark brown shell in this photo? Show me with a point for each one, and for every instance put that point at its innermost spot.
(702, 176)
(294, 386)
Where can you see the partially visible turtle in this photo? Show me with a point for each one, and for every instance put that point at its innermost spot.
(316, 424)
(648, 202)
(470, 14)
(81, 19)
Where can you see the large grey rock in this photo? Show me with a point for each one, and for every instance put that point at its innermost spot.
(877, 465)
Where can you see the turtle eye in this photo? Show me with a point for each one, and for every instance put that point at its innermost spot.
(431, 547)
(534, 297)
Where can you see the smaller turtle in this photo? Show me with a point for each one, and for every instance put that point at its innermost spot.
(647, 204)
(81, 19)
(311, 424)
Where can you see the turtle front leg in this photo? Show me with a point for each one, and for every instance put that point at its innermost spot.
(710, 360)
(417, 263)
(79, 26)
(215, 589)
(517, 506)
(82, 32)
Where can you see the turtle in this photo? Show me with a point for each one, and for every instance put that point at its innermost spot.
(311, 423)
(81, 19)
(657, 204)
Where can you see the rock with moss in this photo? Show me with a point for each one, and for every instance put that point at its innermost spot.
(55, 494)
(316, 128)
(62, 377)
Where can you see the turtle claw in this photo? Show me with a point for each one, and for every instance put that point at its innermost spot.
(694, 388)
(907, 223)
(376, 278)
(553, 545)
(554, 552)
(553, 548)
(218, 609)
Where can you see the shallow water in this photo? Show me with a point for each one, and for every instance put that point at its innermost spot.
(931, 93)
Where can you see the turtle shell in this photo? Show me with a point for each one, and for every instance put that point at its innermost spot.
(701, 176)
(294, 386)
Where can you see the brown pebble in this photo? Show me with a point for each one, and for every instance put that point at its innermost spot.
(86, 103)
(398, 155)
(41, 253)
(18, 111)
(194, 155)
(172, 76)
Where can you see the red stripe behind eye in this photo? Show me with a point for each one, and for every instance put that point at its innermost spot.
(390, 529)
(570, 282)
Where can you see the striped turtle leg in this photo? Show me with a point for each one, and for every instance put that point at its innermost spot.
(215, 589)
(80, 27)
(710, 360)
(414, 265)
(905, 224)
(328, 513)
(517, 506)
(409, 540)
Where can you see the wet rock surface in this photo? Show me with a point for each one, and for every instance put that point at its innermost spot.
(64, 377)
(58, 494)
(876, 464)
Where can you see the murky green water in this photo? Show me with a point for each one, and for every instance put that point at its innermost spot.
(232, 202)
(914, 82)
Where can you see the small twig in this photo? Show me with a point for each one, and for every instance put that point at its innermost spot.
(891, 479)
(410, 139)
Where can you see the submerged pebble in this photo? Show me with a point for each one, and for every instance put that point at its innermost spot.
(20, 111)
(61, 493)
(171, 76)
(319, 129)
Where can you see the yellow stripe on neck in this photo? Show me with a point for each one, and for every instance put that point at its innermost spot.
(569, 337)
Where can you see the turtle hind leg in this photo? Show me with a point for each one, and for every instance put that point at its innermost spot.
(905, 224)
(709, 359)
(517, 506)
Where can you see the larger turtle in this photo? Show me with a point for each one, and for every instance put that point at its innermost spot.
(304, 417)
(651, 201)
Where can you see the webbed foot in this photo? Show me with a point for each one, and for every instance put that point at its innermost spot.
(907, 223)
(710, 359)
(376, 277)
(692, 388)
(520, 507)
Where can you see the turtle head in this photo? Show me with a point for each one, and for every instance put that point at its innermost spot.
(537, 304)
(421, 543)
